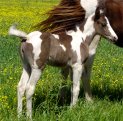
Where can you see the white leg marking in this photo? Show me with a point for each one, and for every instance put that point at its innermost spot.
(21, 89)
(30, 88)
(77, 72)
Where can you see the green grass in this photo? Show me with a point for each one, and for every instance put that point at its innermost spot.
(106, 80)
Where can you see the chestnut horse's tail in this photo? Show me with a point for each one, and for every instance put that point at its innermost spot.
(63, 17)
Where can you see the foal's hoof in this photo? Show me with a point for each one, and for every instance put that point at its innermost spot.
(89, 99)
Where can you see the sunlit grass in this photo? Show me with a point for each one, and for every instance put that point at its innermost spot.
(25, 13)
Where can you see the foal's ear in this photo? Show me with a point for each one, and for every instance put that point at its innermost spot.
(97, 14)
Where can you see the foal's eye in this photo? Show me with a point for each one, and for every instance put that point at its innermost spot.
(103, 24)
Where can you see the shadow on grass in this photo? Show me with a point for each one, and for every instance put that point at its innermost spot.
(63, 97)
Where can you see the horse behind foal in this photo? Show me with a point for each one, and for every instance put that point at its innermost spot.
(66, 49)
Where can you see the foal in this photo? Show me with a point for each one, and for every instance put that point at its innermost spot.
(65, 49)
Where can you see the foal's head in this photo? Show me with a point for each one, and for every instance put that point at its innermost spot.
(102, 26)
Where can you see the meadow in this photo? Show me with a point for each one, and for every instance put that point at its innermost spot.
(106, 78)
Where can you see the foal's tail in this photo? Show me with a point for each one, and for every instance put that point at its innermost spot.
(13, 31)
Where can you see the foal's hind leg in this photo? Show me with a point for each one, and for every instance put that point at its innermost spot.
(30, 88)
(22, 86)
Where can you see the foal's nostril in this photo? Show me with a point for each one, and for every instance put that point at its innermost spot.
(115, 38)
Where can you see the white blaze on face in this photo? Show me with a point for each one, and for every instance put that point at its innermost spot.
(111, 29)
(89, 6)
(35, 40)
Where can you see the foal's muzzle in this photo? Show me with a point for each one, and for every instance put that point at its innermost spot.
(113, 38)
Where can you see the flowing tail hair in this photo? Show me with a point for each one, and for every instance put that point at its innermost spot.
(14, 31)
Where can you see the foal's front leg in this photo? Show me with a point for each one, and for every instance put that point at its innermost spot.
(30, 88)
(86, 78)
(77, 72)
(88, 66)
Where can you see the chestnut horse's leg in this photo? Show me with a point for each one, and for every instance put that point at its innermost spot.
(87, 68)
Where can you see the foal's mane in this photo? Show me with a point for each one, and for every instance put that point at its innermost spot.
(63, 17)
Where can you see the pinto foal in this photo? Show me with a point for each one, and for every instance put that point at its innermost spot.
(70, 48)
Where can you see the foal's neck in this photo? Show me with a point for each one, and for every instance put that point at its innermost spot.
(88, 30)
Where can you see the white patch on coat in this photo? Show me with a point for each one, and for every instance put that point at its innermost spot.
(89, 6)
(63, 47)
(56, 36)
(79, 37)
(88, 27)
(111, 29)
(35, 40)
(76, 42)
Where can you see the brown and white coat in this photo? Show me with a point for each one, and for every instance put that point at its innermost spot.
(70, 48)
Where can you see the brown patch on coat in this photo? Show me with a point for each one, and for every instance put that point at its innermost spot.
(89, 39)
(45, 49)
(84, 49)
(58, 56)
(81, 25)
(66, 41)
(27, 52)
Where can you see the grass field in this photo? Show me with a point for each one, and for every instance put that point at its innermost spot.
(106, 80)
